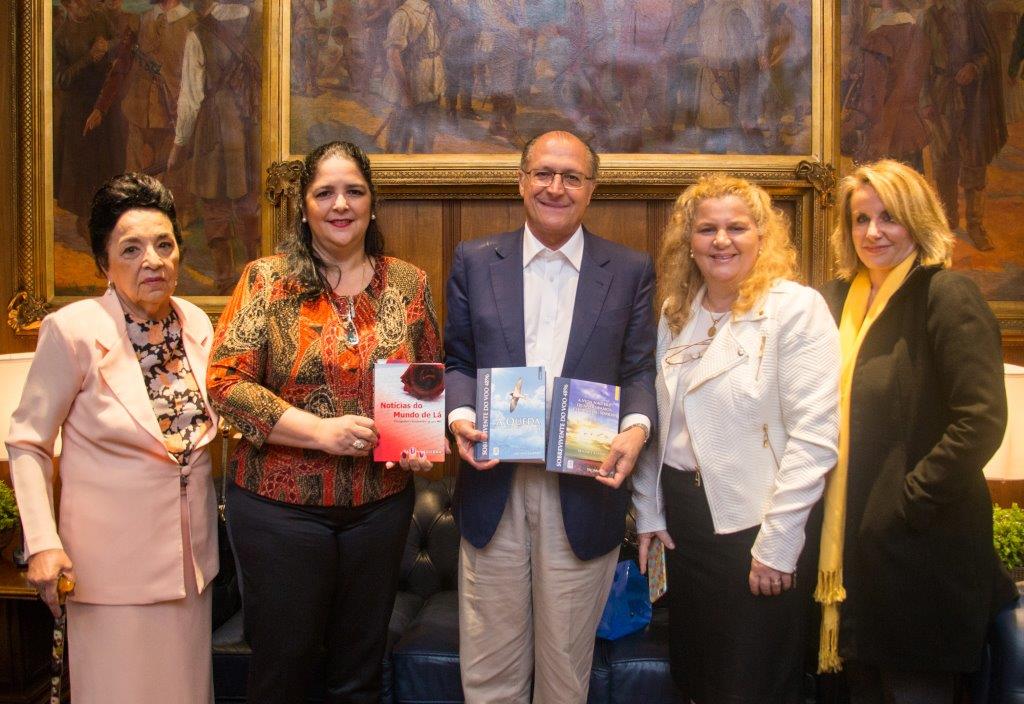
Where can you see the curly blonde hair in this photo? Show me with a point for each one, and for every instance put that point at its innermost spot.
(909, 200)
(679, 278)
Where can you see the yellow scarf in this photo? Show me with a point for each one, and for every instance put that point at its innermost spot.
(854, 324)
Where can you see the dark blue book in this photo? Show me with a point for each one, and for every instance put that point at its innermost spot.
(511, 406)
(584, 421)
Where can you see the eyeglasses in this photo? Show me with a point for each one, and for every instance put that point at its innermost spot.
(685, 354)
(570, 179)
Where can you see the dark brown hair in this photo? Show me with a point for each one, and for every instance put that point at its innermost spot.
(130, 191)
(303, 260)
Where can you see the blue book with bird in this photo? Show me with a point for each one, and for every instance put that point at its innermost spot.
(511, 407)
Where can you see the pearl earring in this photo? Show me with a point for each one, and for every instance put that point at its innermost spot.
(303, 218)
(373, 216)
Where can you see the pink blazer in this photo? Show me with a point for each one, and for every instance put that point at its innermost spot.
(120, 508)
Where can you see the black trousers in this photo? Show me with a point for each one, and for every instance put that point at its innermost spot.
(317, 583)
(727, 646)
(874, 685)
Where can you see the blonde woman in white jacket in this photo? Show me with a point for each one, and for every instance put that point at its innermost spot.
(748, 383)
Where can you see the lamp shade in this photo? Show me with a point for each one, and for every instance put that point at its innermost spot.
(13, 372)
(1008, 462)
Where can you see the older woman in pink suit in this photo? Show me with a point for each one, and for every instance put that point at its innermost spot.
(120, 376)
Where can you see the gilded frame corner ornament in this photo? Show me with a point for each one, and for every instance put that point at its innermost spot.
(282, 192)
(25, 313)
(822, 177)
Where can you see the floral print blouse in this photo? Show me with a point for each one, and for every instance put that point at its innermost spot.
(170, 383)
(279, 345)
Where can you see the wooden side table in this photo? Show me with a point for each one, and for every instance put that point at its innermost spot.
(26, 639)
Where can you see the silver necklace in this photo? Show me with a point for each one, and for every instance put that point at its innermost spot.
(348, 318)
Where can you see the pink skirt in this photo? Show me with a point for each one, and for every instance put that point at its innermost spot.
(153, 653)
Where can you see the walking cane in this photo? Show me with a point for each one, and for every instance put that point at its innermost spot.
(65, 585)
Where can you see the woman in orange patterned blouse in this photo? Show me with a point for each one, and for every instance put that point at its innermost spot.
(318, 528)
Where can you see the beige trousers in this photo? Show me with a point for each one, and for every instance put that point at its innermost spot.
(528, 607)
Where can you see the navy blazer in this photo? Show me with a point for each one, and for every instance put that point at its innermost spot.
(611, 341)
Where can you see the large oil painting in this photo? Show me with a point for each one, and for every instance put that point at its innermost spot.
(937, 84)
(167, 88)
(480, 76)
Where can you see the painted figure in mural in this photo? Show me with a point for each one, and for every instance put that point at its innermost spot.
(218, 112)
(962, 100)
(637, 70)
(733, 57)
(499, 51)
(305, 50)
(339, 49)
(121, 20)
(787, 97)
(574, 52)
(82, 161)
(145, 80)
(882, 118)
(332, 64)
(415, 75)
(682, 65)
(1007, 18)
(460, 32)
(376, 16)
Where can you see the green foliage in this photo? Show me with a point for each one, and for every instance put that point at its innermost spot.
(1008, 535)
(8, 508)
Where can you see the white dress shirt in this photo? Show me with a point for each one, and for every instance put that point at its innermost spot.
(193, 66)
(550, 277)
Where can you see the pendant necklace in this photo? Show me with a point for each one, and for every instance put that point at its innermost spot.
(352, 336)
(347, 318)
(713, 330)
(351, 332)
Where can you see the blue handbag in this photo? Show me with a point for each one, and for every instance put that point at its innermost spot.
(628, 608)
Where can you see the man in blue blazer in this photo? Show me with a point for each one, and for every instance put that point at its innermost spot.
(539, 549)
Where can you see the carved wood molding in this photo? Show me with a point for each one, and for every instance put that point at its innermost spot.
(822, 177)
(25, 313)
(283, 193)
(26, 309)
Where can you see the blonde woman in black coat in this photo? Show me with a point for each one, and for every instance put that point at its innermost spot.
(923, 409)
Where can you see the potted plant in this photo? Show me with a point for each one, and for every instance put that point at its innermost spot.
(8, 515)
(1008, 537)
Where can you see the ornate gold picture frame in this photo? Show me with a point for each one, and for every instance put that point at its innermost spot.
(961, 126)
(643, 183)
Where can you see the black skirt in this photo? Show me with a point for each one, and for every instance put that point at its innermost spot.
(728, 646)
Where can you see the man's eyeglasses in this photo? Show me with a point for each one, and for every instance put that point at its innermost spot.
(570, 179)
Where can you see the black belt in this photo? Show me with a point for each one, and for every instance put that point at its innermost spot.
(689, 474)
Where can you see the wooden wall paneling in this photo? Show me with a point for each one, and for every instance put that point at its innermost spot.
(622, 221)
(451, 210)
(659, 213)
(413, 232)
(486, 217)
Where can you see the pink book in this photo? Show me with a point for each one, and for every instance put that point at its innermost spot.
(408, 410)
